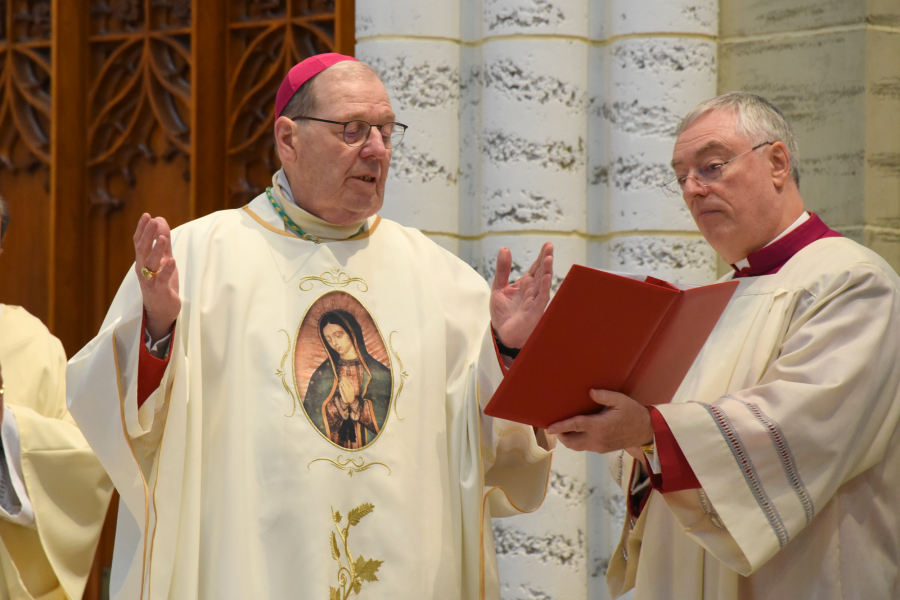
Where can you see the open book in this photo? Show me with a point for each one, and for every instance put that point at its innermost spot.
(631, 334)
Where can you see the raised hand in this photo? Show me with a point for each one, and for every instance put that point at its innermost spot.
(157, 274)
(623, 424)
(516, 308)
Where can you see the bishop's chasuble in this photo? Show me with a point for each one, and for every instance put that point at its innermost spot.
(50, 557)
(318, 430)
(789, 419)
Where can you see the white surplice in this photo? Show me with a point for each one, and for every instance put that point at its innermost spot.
(228, 488)
(788, 417)
(48, 555)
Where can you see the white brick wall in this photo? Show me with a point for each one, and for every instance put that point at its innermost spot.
(534, 120)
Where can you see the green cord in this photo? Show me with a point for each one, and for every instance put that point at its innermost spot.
(293, 226)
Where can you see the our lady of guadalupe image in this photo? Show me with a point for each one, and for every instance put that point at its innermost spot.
(348, 396)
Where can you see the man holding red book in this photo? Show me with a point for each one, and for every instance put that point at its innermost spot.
(772, 473)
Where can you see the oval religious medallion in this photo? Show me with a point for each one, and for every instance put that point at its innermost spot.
(342, 371)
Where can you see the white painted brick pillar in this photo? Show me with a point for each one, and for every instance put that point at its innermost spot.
(534, 120)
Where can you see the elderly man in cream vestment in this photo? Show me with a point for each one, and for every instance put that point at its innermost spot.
(316, 430)
(53, 491)
(773, 473)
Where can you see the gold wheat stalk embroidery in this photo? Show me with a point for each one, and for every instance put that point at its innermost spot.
(350, 578)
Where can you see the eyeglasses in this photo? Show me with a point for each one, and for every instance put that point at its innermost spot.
(705, 176)
(357, 132)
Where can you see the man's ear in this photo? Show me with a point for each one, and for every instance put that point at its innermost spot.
(284, 139)
(781, 164)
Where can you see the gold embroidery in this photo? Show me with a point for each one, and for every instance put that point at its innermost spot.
(351, 577)
(281, 373)
(350, 465)
(119, 379)
(403, 374)
(334, 278)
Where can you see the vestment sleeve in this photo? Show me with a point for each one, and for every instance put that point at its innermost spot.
(68, 491)
(501, 469)
(516, 467)
(15, 505)
(771, 455)
(102, 397)
(104, 377)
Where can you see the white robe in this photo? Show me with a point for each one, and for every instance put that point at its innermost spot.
(227, 488)
(49, 555)
(788, 418)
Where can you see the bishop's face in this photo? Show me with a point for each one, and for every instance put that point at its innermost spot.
(329, 179)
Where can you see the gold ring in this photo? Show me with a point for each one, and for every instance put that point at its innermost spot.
(148, 274)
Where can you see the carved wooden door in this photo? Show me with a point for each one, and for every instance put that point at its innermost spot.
(113, 108)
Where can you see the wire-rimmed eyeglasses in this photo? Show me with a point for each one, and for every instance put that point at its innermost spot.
(705, 176)
(357, 132)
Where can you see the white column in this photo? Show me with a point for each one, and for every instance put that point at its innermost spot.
(524, 168)
(415, 48)
(651, 61)
(535, 120)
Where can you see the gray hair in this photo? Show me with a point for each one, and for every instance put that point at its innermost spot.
(304, 101)
(756, 118)
(4, 217)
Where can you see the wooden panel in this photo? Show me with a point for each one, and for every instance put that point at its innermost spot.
(125, 130)
(25, 154)
(139, 139)
(345, 27)
(70, 278)
(112, 109)
(208, 124)
(266, 38)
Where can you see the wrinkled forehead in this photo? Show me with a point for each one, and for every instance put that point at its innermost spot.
(712, 131)
(363, 98)
(724, 121)
(347, 77)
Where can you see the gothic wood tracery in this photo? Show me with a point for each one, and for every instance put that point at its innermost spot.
(266, 38)
(25, 85)
(25, 119)
(140, 97)
(112, 108)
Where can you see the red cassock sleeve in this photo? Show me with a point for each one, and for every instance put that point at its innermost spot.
(150, 369)
(675, 473)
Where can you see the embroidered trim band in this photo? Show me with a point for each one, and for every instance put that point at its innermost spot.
(786, 456)
(708, 509)
(743, 460)
(621, 467)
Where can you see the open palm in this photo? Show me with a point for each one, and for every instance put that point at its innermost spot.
(516, 308)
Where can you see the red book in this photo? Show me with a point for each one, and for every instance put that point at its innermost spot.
(607, 331)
